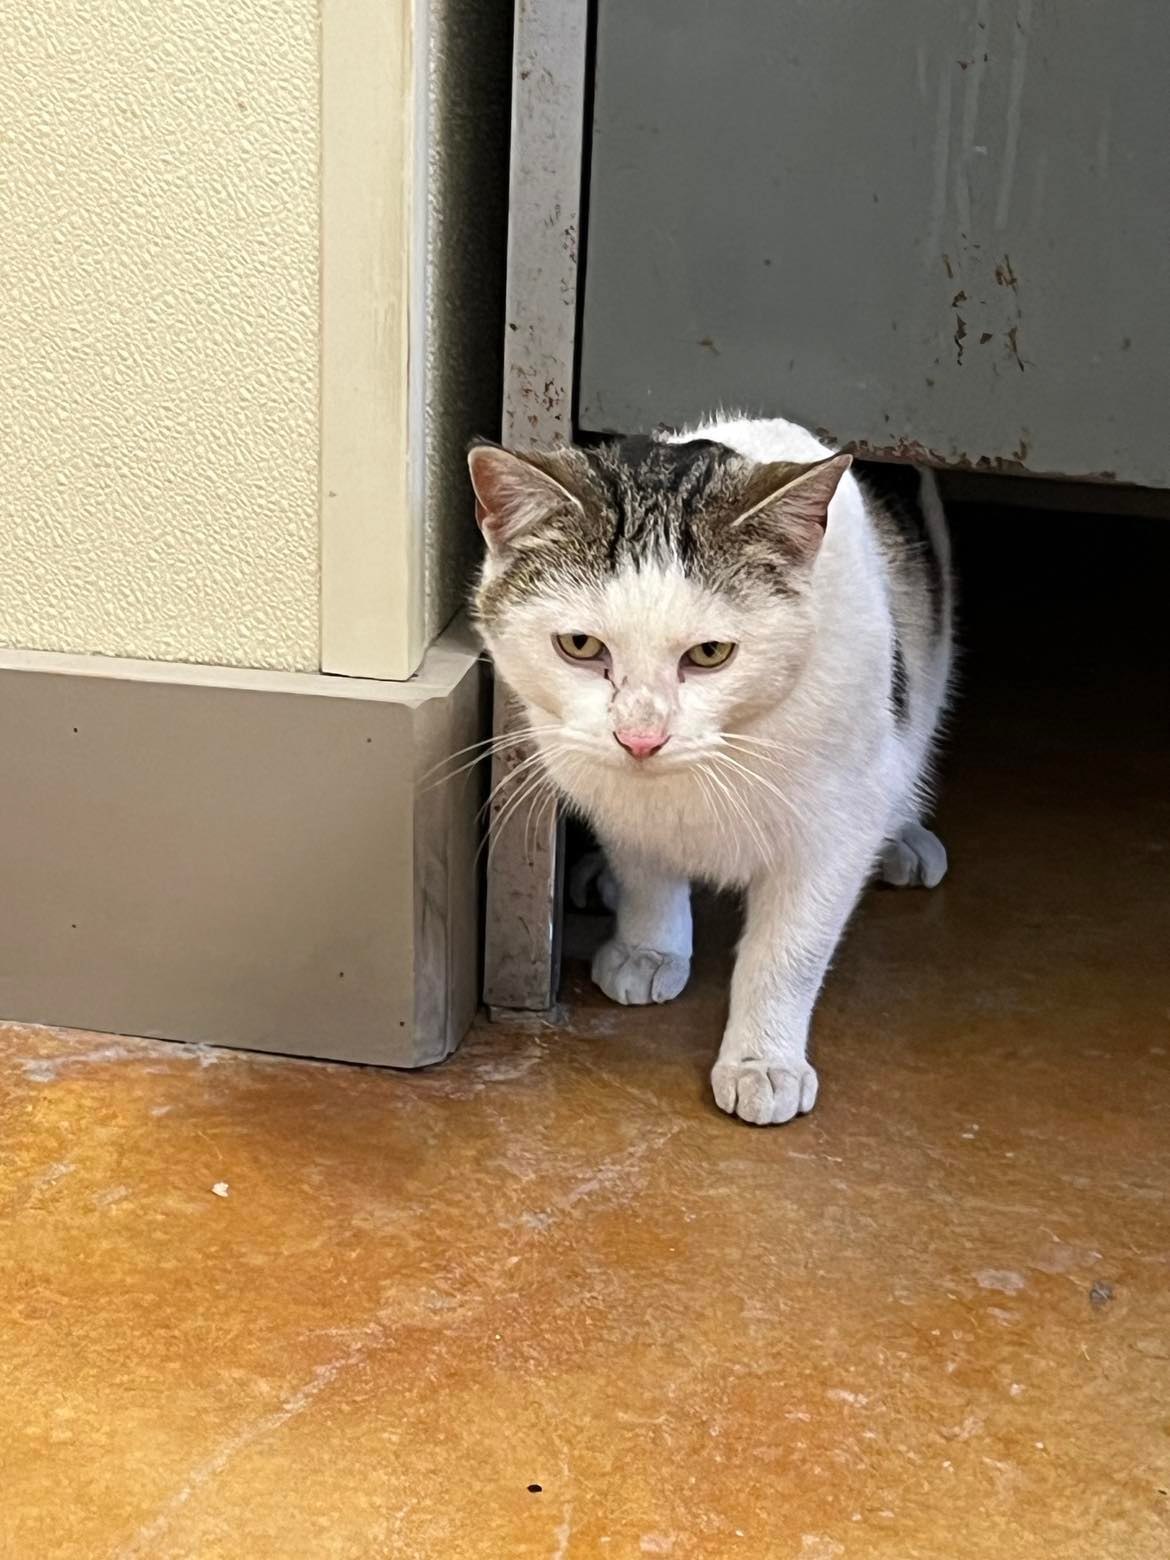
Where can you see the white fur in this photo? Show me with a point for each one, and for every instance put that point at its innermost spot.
(785, 773)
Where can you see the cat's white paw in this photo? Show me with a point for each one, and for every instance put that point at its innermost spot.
(761, 1094)
(636, 976)
(915, 858)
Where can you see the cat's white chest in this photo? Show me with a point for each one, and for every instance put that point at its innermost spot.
(684, 827)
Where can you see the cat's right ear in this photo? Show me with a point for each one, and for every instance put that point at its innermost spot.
(511, 494)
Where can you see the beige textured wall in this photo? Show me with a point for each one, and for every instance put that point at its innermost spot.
(158, 329)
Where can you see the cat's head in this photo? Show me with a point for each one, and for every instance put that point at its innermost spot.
(643, 598)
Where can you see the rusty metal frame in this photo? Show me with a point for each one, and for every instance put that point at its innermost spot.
(522, 938)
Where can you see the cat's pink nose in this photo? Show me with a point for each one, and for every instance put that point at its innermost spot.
(641, 744)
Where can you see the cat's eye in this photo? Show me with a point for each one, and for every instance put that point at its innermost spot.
(580, 647)
(710, 654)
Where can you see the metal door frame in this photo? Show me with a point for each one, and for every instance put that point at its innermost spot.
(549, 70)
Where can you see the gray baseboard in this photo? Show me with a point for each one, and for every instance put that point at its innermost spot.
(240, 859)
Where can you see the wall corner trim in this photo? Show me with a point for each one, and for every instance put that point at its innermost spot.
(372, 585)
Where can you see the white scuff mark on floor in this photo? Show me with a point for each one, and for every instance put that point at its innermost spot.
(593, 1023)
(971, 1425)
(563, 1533)
(111, 1195)
(615, 1174)
(1064, 1258)
(1005, 1280)
(145, 1541)
(48, 1069)
(475, 1070)
(84, 1048)
(815, 1546)
(642, 1096)
(368, 1340)
(53, 1173)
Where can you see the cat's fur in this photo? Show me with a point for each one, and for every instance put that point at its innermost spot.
(795, 769)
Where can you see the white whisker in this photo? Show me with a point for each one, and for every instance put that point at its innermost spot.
(487, 747)
(509, 777)
(743, 812)
(532, 784)
(765, 744)
(759, 781)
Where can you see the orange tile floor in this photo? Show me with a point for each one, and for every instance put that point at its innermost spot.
(547, 1301)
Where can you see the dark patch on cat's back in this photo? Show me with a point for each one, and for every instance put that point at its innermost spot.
(894, 495)
(899, 683)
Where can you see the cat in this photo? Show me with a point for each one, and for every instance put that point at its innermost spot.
(733, 660)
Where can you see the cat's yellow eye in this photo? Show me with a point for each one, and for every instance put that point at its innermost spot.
(711, 653)
(580, 647)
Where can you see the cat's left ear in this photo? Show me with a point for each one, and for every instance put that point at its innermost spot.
(512, 494)
(799, 507)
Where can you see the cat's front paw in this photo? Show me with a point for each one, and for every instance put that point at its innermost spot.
(636, 976)
(763, 1094)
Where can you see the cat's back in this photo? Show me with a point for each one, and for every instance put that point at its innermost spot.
(759, 438)
(886, 557)
(895, 506)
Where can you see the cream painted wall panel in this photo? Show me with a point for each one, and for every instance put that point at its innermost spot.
(158, 329)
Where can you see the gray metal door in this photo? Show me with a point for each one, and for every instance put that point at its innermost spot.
(931, 229)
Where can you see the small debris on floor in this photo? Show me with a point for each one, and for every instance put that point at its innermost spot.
(1100, 1294)
(221, 1188)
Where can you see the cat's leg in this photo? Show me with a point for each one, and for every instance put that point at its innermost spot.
(592, 872)
(794, 920)
(913, 858)
(648, 958)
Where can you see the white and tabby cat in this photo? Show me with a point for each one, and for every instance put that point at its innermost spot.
(733, 660)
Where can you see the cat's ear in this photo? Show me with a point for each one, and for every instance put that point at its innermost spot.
(798, 506)
(512, 494)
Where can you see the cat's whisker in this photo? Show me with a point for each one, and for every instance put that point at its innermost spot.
(785, 749)
(539, 799)
(720, 801)
(706, 795)
(487, 747)
(510, 777)
(504, 806)
(536, 808)
(477, 748)
(756, 780)
(749, 819)
(743, 812)
(773, 761)
(536, 790)
(552, 799)
(711, 794)
(532, 784)
(760, 781)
